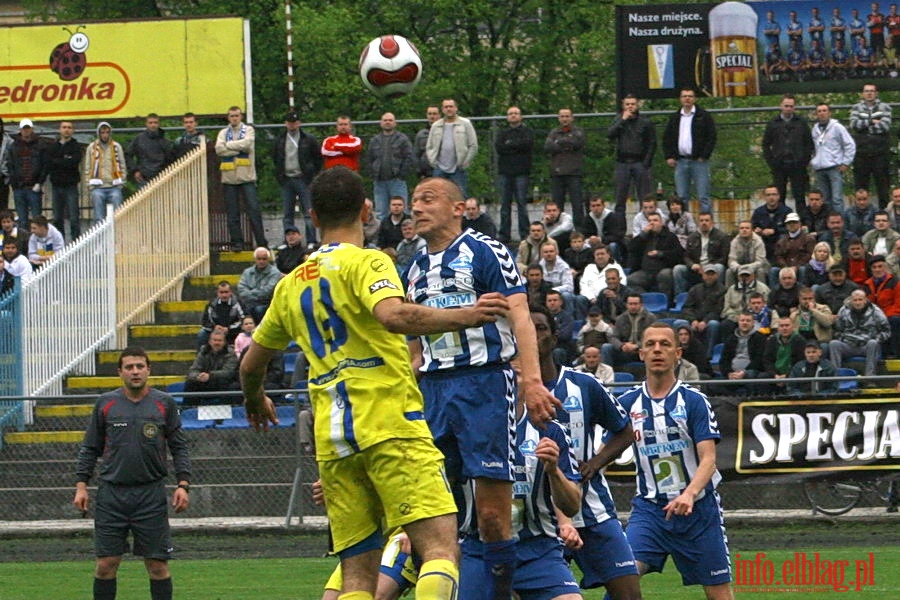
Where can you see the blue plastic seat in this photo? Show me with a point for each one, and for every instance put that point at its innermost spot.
(716, 354)
(850, 384)
(679, 302)
(655, 302)
(174, 390)
(622, 377)
(290, 361)
(189, 420)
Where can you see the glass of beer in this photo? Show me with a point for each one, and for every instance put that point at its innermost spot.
(732, 35)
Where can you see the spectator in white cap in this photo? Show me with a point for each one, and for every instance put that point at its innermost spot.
(26, 168)
(793, 248)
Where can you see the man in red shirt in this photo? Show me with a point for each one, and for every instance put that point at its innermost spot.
(343, 148)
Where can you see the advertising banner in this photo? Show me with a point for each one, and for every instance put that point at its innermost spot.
(123, 69)
(753, 48)
(800, 438)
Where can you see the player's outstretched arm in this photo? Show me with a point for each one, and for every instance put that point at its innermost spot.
(540, 402)
(683, 505)
(260, 409)
(398, 316)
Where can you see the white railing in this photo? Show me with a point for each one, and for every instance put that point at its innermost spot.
(162, 234)
(84, 299)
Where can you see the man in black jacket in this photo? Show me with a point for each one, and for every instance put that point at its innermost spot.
(635, 139)
(742, 352)
(788, 148)
(297, 159)
(389, 160)
(64, 168)
(689, 154)
(149, 152)
(653, 255)
(604, 226)
(706, 247)
(514, 146)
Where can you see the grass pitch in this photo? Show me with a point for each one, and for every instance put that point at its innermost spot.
(302, 578)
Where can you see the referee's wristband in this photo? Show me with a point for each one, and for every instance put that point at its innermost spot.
(185, 486)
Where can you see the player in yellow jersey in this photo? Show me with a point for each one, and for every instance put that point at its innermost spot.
(344, 306)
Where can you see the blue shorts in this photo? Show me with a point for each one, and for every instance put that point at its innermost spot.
(605, 554)
(541, 572)
(402, 568)
(697, 543)
(471, 414)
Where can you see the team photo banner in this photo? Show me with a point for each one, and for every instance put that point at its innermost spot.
(756, 48)
(123, 69)
(800, 438)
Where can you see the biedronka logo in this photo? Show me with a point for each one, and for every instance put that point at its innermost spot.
(70, 87)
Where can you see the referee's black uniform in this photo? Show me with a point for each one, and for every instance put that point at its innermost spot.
(131, 437)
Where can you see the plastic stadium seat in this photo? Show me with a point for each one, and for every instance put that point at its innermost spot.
(622, 377)
(190, 421)
(679, 302)
(850, 384)
(655, 302)
(174, 389)
(290, 361)
(716, 354)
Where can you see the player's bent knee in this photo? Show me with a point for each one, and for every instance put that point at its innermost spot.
(157, 569)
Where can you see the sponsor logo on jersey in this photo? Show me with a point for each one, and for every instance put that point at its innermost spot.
(572, 403)
(451, 300)
(378, 265)
(637, 417)
(492, 465)
(527, 447)
(663, 448)
(380, 285)
(461, 263)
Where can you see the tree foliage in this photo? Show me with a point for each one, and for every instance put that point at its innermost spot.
(487, 54)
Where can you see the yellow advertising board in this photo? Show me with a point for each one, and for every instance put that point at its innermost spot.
(124, 69)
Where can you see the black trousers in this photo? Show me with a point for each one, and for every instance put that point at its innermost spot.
(799, 179)
(877, 166)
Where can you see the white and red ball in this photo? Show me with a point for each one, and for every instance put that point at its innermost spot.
(390, 66)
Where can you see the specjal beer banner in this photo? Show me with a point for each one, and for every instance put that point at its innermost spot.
(800, 439)
(123, 69)
(747, 49)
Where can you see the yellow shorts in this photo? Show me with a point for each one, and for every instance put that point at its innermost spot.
(398, 481)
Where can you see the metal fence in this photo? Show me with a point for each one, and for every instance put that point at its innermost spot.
(88, 293)
(241, 473)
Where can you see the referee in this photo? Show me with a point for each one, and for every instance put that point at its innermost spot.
(130, 428)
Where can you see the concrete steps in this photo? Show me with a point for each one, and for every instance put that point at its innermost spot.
(179, 312)
(162, 362)
(99, 384)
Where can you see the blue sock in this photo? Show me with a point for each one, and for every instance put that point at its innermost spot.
(500, 558)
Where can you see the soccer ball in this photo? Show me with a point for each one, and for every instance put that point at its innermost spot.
(390, 66)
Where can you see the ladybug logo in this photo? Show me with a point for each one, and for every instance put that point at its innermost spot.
(68, 60)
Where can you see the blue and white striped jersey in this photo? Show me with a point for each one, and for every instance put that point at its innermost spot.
(472, 265)
(666, 435)
(586, 404)
(533, 513)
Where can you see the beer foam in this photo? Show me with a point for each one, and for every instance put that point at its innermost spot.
(732, 19)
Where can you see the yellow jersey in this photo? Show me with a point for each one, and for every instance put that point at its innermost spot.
(361, 384)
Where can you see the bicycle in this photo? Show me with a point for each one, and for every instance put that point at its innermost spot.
(834, 498)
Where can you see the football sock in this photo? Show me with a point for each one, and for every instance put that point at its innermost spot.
(501, 561)
(356, 596)
(161, 589)
(438, 580)
(104, 589)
